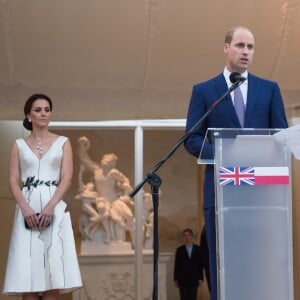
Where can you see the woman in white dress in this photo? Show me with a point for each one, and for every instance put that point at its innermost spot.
(42, 260)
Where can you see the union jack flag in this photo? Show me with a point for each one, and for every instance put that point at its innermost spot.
(236, 176)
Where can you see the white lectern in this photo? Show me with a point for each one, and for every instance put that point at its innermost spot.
(253, 215)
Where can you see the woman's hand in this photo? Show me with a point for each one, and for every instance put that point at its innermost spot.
(46, 215)
(30, 217)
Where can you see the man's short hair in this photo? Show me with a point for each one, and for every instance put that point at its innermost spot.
(188, 230)
(230, 33)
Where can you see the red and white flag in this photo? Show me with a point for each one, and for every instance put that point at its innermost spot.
(271, 175)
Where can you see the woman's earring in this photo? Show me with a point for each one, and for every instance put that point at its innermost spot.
(29, 120)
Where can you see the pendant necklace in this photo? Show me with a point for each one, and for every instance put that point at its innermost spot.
(40, 147)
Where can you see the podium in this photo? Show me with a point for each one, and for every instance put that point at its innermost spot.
(253, 214)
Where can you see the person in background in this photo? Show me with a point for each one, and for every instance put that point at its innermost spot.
(260, 105)
(42, 260)
(188, 268)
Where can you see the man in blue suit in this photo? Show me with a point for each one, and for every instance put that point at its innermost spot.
(263, 109)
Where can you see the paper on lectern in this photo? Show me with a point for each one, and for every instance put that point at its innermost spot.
(291, 138)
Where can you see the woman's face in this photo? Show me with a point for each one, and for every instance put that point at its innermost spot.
(40, 113)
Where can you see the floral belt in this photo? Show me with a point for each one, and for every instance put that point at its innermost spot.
(32, 182)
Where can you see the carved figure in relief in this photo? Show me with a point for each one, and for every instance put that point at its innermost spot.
(106, 205)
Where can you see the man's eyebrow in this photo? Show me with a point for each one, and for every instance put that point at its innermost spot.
(244, 44)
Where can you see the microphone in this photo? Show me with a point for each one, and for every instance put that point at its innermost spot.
(236, 77)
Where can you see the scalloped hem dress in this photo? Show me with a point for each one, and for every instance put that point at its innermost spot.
(42, 260)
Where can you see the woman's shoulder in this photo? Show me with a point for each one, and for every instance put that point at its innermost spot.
(20, 141)
(53, 136)
(60, 139)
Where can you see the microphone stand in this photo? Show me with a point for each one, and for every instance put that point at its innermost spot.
(155, 181)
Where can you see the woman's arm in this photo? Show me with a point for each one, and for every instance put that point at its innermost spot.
(14, 185)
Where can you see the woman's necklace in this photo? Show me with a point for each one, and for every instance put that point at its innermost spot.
(40, 147)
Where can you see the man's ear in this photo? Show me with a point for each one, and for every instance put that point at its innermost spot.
(226, 47)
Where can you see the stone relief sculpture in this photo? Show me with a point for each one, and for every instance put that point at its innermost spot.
(107, 209)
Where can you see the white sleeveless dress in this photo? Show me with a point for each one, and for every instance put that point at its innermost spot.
(41, 260)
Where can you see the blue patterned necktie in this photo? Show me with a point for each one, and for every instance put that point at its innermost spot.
(239, 105)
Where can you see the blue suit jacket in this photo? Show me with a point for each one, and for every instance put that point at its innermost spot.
(264, 109)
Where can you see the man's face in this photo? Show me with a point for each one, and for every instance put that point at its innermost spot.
(187, 237)
(240, 51)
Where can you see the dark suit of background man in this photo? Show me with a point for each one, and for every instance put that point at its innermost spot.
(264, 109)
(188, 269)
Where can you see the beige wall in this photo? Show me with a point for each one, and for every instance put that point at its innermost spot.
(135, 59)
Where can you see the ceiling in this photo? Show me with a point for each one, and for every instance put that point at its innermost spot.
(135, 59)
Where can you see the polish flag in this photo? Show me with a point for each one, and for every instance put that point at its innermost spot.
(271, 175)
